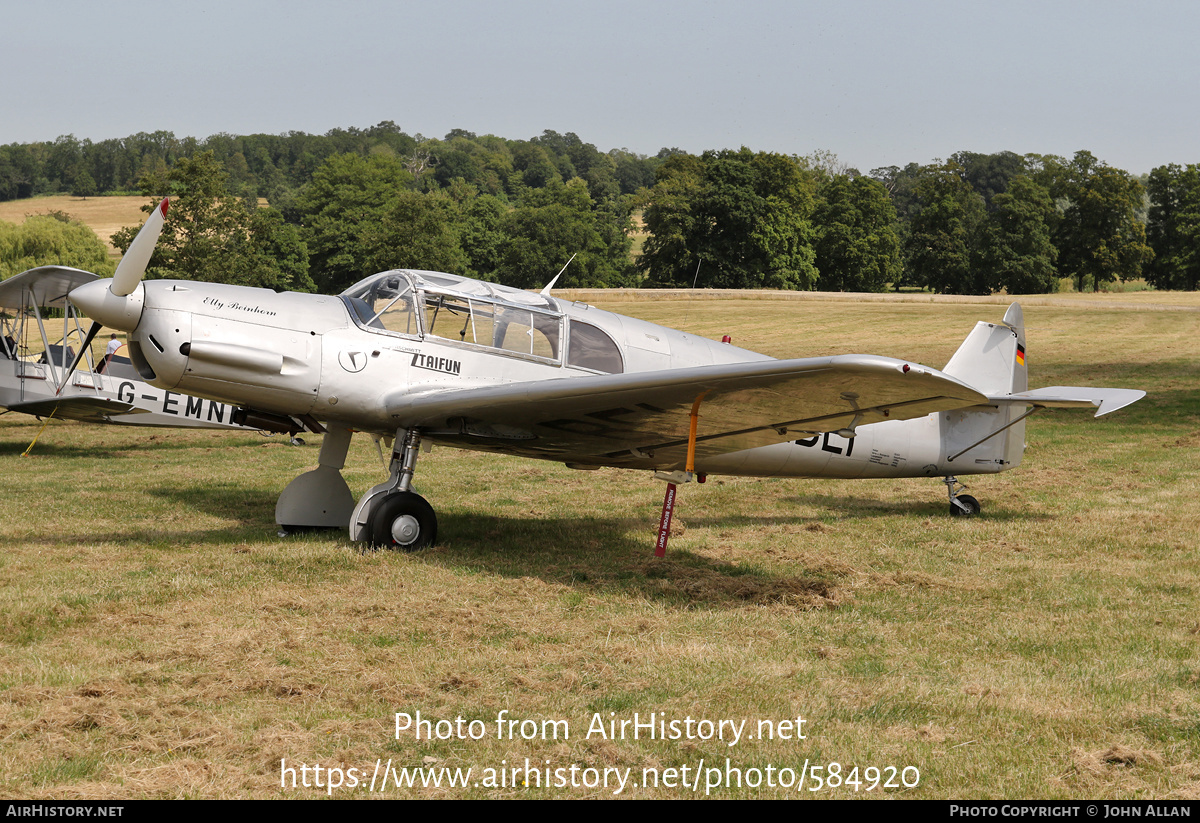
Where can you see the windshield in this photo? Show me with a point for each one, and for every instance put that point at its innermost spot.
(384, 303)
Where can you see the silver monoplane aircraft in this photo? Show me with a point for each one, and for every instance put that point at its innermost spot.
(429, 357)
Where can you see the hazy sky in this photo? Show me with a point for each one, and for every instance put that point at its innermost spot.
(878, 83)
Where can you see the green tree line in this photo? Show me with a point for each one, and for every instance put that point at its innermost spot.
(276, 166)
(973, 224)
(352, 202)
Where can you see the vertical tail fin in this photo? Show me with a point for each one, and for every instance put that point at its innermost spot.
(991, 360)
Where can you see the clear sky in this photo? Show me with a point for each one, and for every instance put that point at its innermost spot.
(878, 83)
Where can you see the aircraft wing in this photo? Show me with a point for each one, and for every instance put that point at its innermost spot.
(48, 285)
(1103, 401)
(643, 418)
(87, 409)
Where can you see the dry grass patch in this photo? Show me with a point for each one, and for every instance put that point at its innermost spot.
(709, 585)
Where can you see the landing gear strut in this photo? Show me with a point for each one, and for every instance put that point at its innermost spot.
(961, 505)
(391, 515)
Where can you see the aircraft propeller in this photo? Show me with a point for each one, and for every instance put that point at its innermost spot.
(96, 299)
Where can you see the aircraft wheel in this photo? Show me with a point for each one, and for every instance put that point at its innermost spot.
(972, 506)
(403, 521)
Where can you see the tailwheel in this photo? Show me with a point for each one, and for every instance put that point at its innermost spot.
(404, 521)
(961, 505)
(964, 505)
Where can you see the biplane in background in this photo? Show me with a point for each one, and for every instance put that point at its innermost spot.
(100, 390)
(425, 357)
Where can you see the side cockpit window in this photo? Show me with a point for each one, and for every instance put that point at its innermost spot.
(362, 312)
(495, 325)
(591, 348)
(458, 318)
(527, 332)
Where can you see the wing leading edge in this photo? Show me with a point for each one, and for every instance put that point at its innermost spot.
(642, 418)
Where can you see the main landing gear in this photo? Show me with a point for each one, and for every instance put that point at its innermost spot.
(391, 515)
(961, 505)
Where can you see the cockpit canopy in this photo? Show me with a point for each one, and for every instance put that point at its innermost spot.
(471, 312)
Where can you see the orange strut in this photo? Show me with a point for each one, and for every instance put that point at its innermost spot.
(691, 453)
(668, 509)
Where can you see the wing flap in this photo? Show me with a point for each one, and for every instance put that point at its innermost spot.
(643, 418)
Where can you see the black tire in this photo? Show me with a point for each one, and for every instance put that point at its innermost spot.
(973, 507)
(404, 521)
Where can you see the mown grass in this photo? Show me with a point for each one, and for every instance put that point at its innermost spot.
(160, 641)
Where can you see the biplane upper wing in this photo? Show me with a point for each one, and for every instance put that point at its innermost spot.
(47, 286)
(609, 418)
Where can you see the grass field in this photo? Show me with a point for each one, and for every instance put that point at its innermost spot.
(160, 641)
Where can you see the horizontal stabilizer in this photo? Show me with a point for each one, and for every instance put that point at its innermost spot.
(1074, 397)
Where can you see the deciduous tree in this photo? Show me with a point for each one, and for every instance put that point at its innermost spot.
(55, 239)
(747, 215)
(84, 186)
(340, 213)
(1099, 237)
(548, 226)
(942, 235)
(1015, 251)
(213, 236)
(1173, 227)
(857, 243)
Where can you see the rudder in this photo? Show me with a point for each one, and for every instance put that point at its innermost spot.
(991, 360)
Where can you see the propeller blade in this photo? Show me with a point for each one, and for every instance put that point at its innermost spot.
(133, 264)
(87, 341)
